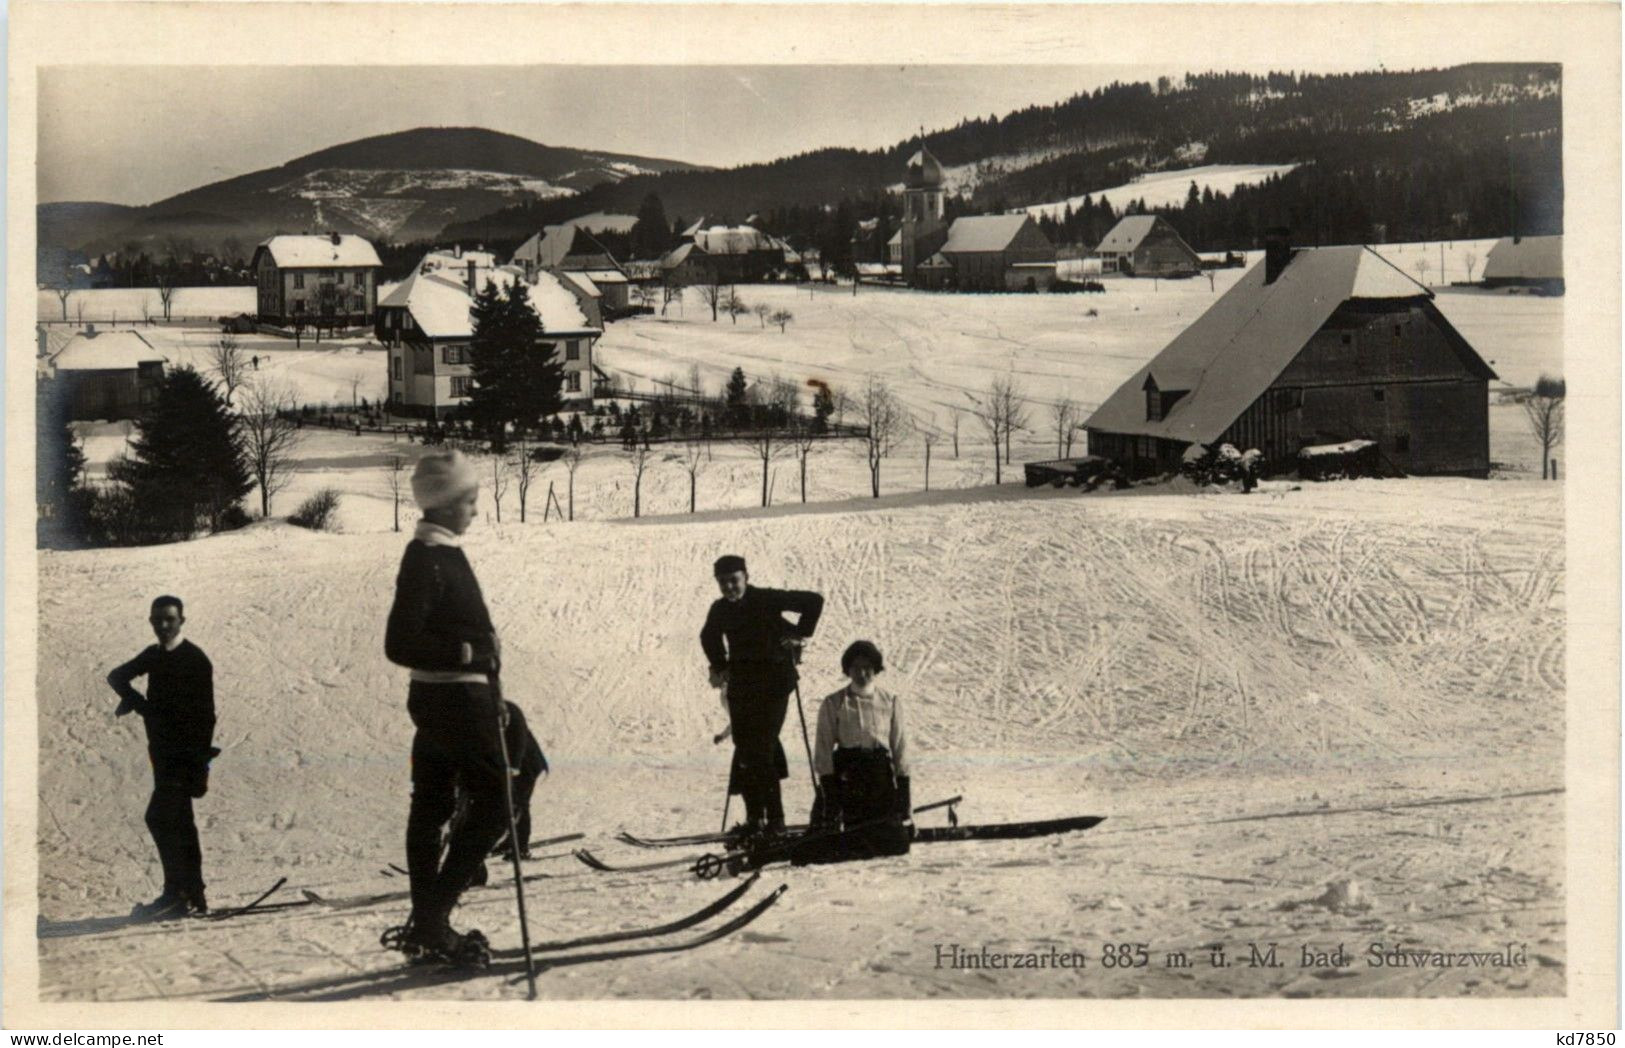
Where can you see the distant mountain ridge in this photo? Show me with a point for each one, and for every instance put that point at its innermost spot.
(396, 187)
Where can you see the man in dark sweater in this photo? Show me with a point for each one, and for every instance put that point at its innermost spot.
(753, 651)
(439, 628)
(178, 709)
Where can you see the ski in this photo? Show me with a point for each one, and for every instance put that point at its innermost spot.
(594, 862)
(721, 931)
(1001, 831)
(704, 913)
(692, 840)
(347, 902)
(235, 911)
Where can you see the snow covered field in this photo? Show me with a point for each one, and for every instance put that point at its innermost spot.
(1169, 188)
(1317, 715)
(1381, 664)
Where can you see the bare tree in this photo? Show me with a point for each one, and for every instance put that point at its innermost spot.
(767, 443)
(928, 437)
(1470, 259)
(803, 438)
(1544, 409)
(1064, 413)
(694, 383)
(226, 357)
(885, 423)
(572, 462)
(670, 293)
(637, 457)
(711, 295)
(693, 459)
(62, 294)
(499, 483)
(394, 474)
(735, 305)
(166, 290)
(1002, 410)
(762, 311)
(271, 435)
(1421, 267)
(956, 412)
(355, 392)
(645, 296)
(782, 317)
(525, 471)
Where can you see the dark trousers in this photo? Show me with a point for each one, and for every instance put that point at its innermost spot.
(174, 831)
(456, 743)
(865, 793)
(757, 703)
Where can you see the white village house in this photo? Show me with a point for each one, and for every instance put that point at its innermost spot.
(425, 322)
(108, 375)
(330, 280)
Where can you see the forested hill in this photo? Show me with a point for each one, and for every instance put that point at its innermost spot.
(1469, 151)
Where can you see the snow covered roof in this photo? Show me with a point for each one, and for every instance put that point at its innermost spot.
(733, 240)
(1529, 258)
(677, 256)
(327, 251)
(105, 351)
(1131, 230)
(1234, 351)
(437, 295)
(565, 246)
(605, 276)
(924, 170)
(582, 281)
(983, 233)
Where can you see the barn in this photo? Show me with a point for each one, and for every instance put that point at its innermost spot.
(999, 253)
(107, 375)
(1146, 246)
(1314, 346)
(1526, 262)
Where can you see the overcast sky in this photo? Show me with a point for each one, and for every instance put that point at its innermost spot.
(135, 135)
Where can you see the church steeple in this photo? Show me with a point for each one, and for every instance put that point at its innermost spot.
(922, 209)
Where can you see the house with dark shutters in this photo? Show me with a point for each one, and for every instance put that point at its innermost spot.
(329, 280)
(426, 324)
(1146, 246)
(1311, 347)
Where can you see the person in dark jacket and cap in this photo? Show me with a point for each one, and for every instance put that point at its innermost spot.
(178, 709)
(753, 650)
(440, 629)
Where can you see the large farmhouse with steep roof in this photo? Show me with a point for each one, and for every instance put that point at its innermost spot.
(1315, 346)
(329, 280)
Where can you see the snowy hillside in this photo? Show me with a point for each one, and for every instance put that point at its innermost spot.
(1168, 188)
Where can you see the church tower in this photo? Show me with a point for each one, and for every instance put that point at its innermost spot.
(924, 229)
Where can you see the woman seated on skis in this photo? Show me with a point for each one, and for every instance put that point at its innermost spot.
(861, 758)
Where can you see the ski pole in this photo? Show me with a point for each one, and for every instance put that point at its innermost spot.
(513, 833)
(811, 771)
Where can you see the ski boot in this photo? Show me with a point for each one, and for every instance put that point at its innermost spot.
(421, 945)
(172, 904)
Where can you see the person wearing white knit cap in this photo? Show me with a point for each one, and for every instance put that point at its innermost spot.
(440, 629)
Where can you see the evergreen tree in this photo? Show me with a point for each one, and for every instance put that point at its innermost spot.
(186, 463)
(516, 378)
(651, 234)
(59, 463)
(738, 410)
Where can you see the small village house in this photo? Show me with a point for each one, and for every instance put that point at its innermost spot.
(1535, 262)
(425, 322)
(329, 280)
(105, 375)
(570, 249)
(1311, 347)
(723, 255)
(1146, 246)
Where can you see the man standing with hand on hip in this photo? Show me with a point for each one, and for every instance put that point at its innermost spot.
(752, 650)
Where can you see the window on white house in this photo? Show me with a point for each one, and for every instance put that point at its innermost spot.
(453, 355)
(459, 385)
(299, 281)
(572, 382)
(572, 349)
(397, 362)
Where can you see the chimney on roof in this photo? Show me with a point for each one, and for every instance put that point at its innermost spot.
(1277, 252)
(456, 251)
(530, 271)
(471, 278)
(90, 330)
(335, 237)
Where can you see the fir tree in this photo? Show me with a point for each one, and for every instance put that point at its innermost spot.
(516, 377)
(651, 234)
(738, 410)
(186, 463)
